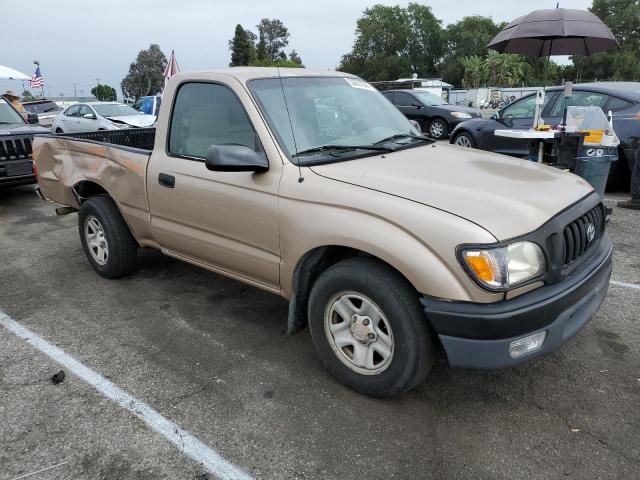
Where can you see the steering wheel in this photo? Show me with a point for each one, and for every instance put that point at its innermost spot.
(345, 128)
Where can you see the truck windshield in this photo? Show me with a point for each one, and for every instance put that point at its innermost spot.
(329, 112)
(8, 116)
(115, 110)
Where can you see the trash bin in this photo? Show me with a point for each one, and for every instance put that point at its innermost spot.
(593, 164)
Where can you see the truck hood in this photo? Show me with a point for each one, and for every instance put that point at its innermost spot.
(22, 128)
(135, 120)
(507, 196)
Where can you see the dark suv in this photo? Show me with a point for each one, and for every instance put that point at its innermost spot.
(435, 116)
(16, 135)
(621, 98)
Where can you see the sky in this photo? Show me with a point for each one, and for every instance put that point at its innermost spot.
(80, 41)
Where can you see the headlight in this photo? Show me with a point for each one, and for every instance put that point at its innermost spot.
(460, 115)
(501, 268)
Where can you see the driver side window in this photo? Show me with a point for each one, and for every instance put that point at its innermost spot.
(404, 99)
(206, 114)
(73, 111)
(84, 110)
(524, 108)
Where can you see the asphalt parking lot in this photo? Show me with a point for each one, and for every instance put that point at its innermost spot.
(211, 355)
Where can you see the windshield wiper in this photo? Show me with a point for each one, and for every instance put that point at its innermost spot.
(325, 148)
(398, 136)
(9, 123)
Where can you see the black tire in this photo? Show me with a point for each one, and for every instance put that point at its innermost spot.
(413, 345)
(121, 246)
(59, 130)
(440, 127)
(464, 135)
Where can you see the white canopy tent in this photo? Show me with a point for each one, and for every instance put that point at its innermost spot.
(7, 73)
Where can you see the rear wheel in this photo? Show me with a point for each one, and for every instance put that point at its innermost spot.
(369, 329)
(438, 129)
(106, 239)
(464, 139)
(59, 130)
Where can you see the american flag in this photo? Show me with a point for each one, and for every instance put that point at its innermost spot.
(37, 80)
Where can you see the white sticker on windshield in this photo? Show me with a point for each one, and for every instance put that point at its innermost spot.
(357, 83)
(2, 101)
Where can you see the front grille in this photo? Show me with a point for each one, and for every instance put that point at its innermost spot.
(583, 233)
(15, 148)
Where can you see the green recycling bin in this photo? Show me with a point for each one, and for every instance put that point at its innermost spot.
(593, 164)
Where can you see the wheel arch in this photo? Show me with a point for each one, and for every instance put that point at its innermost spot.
(459, 131)
(309, 268)
(86, 189)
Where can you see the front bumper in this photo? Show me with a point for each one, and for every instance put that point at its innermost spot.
(16, 180)
(479, 335)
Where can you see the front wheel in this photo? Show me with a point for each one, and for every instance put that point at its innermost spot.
(463, 139)
(106, 239)
(438, 129)
(369, 329)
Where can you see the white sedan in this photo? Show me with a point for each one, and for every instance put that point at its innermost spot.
(91, 116)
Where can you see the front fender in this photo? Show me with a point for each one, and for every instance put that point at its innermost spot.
(416, 240)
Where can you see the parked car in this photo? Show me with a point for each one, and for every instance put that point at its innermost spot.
(149, 104)
(46, 110)
(91, 116)
(385, 242)
(621, 98)
(16, 136)
(435, 116)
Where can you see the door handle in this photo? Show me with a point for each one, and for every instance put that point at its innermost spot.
(165, 180)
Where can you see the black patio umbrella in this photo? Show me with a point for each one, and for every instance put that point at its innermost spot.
(559, 31)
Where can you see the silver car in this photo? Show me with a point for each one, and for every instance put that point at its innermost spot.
(91, 116)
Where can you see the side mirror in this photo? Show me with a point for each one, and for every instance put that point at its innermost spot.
(89, 116)
(235, 158)
(417, 105)
(496, 116)
(32, 118)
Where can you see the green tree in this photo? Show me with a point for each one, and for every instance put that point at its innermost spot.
(506, 70)
(275, 36)
(475, 71)
(261, 49)
(295, 58)
(27, 96)
(466, 38)
(242, 48)
(276, 63)
(146, 74)
(623, 18)
(104, 93)
(394, 42)
(425, 40)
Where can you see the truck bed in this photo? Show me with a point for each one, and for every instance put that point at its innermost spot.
(115, 161)
(139, 138)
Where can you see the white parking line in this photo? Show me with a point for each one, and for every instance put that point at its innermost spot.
(183, 440)
(627, 285)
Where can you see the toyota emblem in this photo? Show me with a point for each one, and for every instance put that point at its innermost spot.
(591, 232)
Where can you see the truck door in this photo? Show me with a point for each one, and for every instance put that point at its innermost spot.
(227, 221)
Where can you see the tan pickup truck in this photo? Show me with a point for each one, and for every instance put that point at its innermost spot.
(311, 185)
